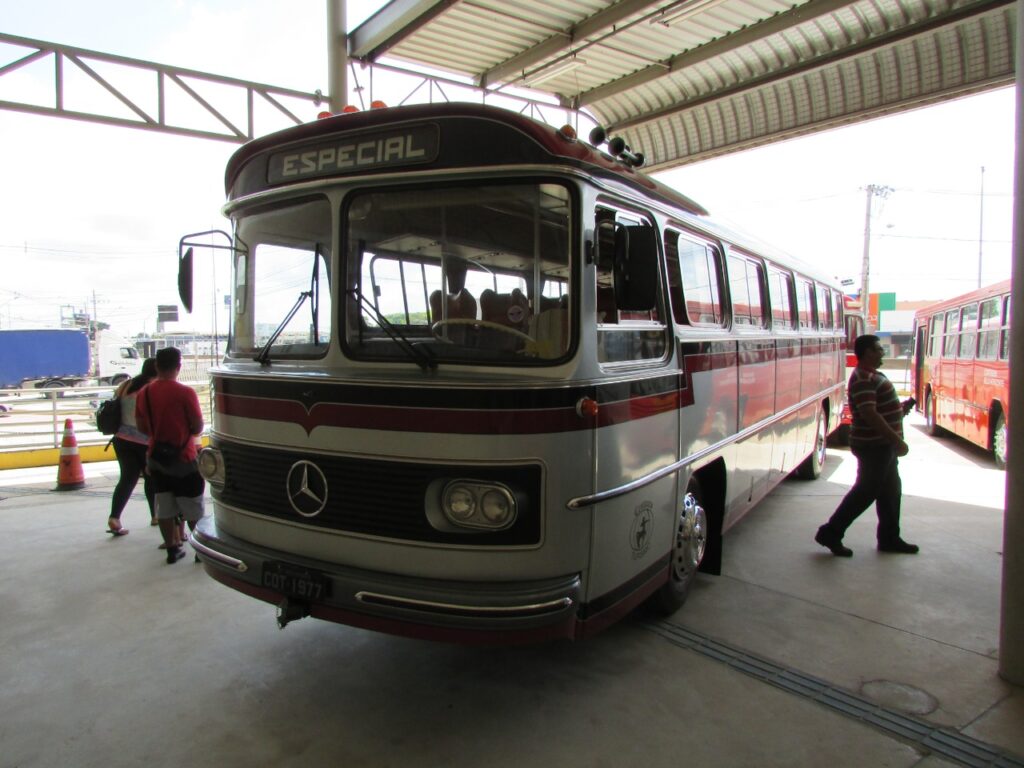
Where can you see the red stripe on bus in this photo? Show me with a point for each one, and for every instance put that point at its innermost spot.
(477, 421)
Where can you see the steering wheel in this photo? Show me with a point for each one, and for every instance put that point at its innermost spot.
(482, 323)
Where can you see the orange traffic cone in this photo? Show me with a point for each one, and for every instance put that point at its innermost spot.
(70, 475)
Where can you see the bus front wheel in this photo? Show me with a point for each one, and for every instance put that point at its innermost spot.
(688, 547)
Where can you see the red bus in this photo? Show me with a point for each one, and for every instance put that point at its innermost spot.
(961, 371)
(853, 325)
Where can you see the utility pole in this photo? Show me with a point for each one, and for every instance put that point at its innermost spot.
(981, 223)
(865, 297)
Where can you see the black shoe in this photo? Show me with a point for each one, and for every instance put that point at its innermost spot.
(831, 543)
(900, 547)
(174, 554)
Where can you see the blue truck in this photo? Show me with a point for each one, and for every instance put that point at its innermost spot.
(43, 358)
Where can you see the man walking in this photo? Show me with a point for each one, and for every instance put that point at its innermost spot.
(169, 413)
(876, 439)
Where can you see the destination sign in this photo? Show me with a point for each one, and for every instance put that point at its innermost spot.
(366, 150)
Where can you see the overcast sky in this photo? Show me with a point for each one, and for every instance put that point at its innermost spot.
(90, 212)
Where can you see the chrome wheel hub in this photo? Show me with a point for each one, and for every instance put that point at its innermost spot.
(999, 443)
(691, 539)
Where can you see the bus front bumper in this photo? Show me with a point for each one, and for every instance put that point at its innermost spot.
(503, 613)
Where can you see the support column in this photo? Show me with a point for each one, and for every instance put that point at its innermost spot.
(1011, 630)
(337, 55)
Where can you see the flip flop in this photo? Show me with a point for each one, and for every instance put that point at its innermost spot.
(118, 532)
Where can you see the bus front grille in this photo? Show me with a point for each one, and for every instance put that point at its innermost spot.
(371, 497)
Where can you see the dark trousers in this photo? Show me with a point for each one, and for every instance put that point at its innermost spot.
(878, 481)
(131, 459)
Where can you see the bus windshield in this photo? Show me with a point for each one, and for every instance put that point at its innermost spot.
(287, 258)
(468, 273)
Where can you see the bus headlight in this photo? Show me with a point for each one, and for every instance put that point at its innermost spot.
(459, 503)
(211, 466)
(474, 504)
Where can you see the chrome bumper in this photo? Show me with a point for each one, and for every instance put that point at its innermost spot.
(492, 612)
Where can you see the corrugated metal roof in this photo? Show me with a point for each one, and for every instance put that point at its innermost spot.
(686, 80)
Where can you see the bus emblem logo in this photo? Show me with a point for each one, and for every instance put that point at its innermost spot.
(640, 531)
(307, 488)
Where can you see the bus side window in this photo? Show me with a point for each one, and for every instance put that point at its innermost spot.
(805, 304)
(780, 290)
(988, 337)
(699, 265)
(968, 331)
(1004, 348)
(935, 336)
(824, 308)
(837, 315)
(952, 333)
(624, 334)
(747, 290)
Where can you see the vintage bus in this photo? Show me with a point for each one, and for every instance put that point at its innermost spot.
(961, 367)
(486, 382)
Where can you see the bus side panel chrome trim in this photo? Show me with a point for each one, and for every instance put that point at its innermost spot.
(205, 551)
(621, 490)
(455, 609)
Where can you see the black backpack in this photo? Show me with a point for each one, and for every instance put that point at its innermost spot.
(108, 416)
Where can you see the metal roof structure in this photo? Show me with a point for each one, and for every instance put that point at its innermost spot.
(685, 80)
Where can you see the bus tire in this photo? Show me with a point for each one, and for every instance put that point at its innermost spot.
(810, 468)
(689, 543)
(931, 425)
(999, 438)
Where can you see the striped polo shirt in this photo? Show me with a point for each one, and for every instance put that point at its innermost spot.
(873, 388)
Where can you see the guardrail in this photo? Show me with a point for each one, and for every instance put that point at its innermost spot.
(32, 420)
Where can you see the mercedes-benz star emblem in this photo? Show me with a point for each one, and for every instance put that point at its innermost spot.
(307, 488)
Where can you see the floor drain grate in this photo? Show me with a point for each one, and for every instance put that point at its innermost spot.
(944, 742)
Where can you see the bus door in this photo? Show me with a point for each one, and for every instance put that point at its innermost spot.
(920, 350)
(787, 368)
(810, 365)
(638, 405)
(963, 383)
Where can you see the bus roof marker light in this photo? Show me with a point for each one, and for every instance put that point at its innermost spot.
(567, 132)
(378, 104)
(348, 109)
(323, 115)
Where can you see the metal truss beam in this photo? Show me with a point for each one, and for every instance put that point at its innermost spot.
(192, 110)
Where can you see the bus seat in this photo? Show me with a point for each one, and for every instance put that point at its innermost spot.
(509, 309)
(550, 330)
(461, 305)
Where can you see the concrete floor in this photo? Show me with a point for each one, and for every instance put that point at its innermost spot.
(110, 657)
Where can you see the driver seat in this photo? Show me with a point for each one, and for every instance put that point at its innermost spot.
(461, 305)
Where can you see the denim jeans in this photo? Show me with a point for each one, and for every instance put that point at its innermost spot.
(878, 481)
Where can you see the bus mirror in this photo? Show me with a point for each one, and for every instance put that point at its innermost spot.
(185, 279)
(636, 268)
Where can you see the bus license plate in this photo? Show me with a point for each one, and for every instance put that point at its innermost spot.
(292, 581)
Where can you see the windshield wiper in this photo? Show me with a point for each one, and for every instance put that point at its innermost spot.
(419, 355)
(263, 356)
(313, 294)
